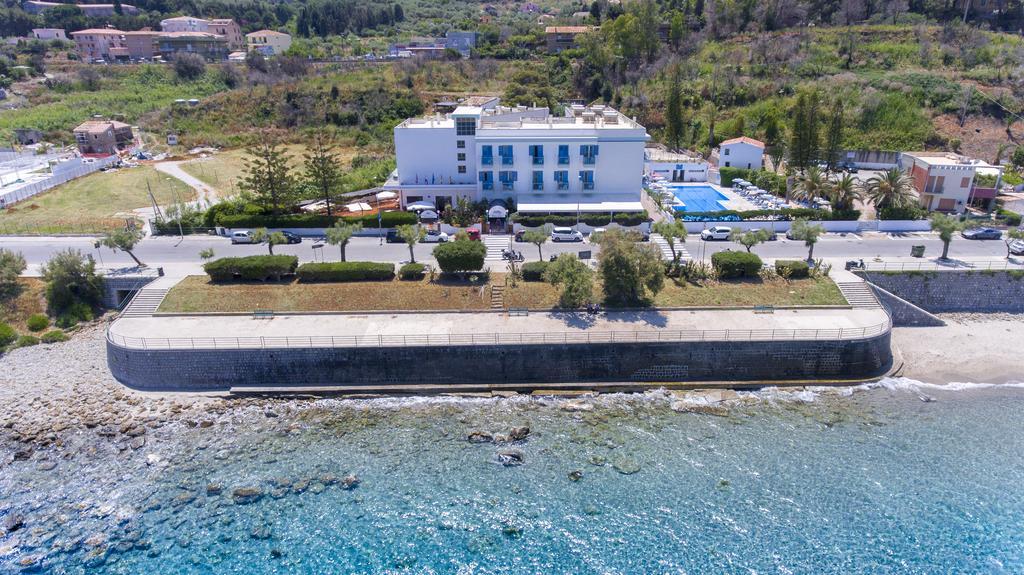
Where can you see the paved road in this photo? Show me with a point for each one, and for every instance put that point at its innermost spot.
(172, 252)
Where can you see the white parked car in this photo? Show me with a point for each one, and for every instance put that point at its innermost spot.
(566, 235)
(716, 233)
(434, 237)
(1017, 247)
(241, 238)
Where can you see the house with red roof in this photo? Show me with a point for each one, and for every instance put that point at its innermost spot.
(742, 152)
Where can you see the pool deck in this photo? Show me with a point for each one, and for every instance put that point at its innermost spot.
(733, 202)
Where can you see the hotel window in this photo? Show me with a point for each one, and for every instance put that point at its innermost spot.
(462, 169)
(462, 156)
(538, 180)
(460, 144)
(587, 177)
(508, 179)
(487, 180)
(486, 155)
(507, 158)
(563, 155)
(465, 127)
(537, 153)
(562, 179)
(589, 154)
(726, 152)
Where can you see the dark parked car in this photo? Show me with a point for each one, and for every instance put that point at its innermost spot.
(292, 238)
(393, 238)
(982, 234)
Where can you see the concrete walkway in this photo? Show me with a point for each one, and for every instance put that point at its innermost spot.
(205, 193)
(407, 329)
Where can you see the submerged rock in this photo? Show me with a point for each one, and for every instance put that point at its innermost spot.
(519, 433)
(575, 475)
(480, 437)
(246, 495)
(626, 466)
(350, 482)
(12, 523)
(511, 457)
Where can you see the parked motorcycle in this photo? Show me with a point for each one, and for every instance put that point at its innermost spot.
(855, 265)
(512, 256)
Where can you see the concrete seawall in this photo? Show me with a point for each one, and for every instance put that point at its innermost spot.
(521, 366)
(978, 291)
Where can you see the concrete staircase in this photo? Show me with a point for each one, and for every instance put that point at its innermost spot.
(494, 246)
(145, 302)
(859, 295)
(666, 251)
(497, 297)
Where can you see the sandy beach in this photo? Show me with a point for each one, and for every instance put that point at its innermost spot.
(976, 348)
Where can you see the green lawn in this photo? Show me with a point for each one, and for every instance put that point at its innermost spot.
(94, 203)
(223, 169)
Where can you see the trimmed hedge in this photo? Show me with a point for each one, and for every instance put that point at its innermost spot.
(736, 264)
(797, 269)
(346, 272)
(1012, 219)
(782, 215)
(388, 220)
(259, 268)
(37, 322)
(412, 271)
(623, 219)
(902, 213)
(534, 271)
(460, 256)
(54, 336)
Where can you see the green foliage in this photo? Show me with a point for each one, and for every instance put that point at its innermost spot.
(534, 271)
(575, 278)
(763, 179)
(623, 219)
(267, 176)
(631, 273)
(1011, 219)
(27, 341)
(206, 254)
(777, 215)
(1018, 157)
(340, 233)
(322, 171)
(73, 289)
(946, 226)
(673, 231)
(537, 238)
(11, 266)
(37, 322)
(908, 212)
(804, 139)
(346, 272)
(460, 256)
(412, 272)
(54, 336)
(124, 240)
(792, 269)
(251, 268)
(808, 233)
(388, 220)
(189, 67)
(411, 235)
(749, 238)
(731, 265)
(7, 335)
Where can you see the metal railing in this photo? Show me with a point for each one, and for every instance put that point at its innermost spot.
(950, 265)
(54, 179)
(652, 336)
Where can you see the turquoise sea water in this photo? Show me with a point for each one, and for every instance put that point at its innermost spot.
(699, 198)
(875, 481)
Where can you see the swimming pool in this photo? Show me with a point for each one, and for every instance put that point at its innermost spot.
(698, 199)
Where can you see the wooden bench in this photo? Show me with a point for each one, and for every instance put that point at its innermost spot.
(518, 311)
(764, 309)
(263, 314)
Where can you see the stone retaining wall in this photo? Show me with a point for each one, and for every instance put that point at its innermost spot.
(904, 313)
(527, 365)
(955, 291)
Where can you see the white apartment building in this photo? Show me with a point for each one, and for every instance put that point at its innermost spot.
(185, 24)
(590, 160)
(946, 182)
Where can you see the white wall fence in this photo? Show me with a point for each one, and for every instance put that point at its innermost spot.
(830, 226)
(58, 177)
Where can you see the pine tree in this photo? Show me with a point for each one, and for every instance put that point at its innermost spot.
(835, 133)
(674, 111)
(398, 13)
(322, 172)
(804, 144)
(267, 176)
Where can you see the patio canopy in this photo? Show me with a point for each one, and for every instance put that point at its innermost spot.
(417, 206)
(428, 215)
(497, 212)
(584, 205)
(358, 207)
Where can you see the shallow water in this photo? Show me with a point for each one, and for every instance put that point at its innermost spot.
(870, 481)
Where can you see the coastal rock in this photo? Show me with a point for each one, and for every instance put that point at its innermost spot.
(480, 437)
(46, 465)
(12, 523)
(246, 495)
(575, 475)
(577, 405)
(511, 457)
(214, 489)
(137, 442)
(702, 408)
(260, 532)
(300, 486)
(519, 433)
(626, 466)
(350, 482)
(152, 459)
(329, 479)
(23, 455)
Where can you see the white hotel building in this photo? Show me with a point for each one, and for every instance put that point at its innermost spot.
(590, 160)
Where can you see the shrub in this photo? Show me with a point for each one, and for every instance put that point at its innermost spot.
(902, 213)
(27, 341)
(460, 256)
(1012, 219)
(346, 272)
(259, 268)
(623, 219)
(534, 271)
(388, 220)
(7, 335)
(412, 272)
(76, 312)
(54, 336)
(736, 264)
(793, 269)
(11, 266)
(37, 322)
(73, 289)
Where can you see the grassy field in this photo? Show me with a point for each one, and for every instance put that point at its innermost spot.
(223, 169)
(95, 203)
(197, 294)
(30, 301)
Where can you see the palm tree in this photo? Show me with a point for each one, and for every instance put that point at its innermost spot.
(811, 185)
(891, 189)
(844, 192)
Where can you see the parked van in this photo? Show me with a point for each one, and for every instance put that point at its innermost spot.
(241, 238)
(566, 235)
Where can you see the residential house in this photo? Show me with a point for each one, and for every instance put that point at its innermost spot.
(742, 152)
(461, 42)
(103, 137)
(184, 24)
(141, 44)
(674, 166)
(49, 34)
(268, 42)
(589, 160)
(100, 44)
(229, 29)
(561, 38)
(947, 182)
(209, 46)
(90, 10)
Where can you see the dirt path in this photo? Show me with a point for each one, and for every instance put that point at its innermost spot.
(205, 194)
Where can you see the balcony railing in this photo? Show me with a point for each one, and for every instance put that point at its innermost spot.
(538, 160)
(487, 160)
(507, 160)
(589, 160)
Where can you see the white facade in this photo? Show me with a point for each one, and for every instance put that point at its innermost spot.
(49, 34)
(591, 160)
(674, 167)
(185, 24)
(268, 42)
(745, 153)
